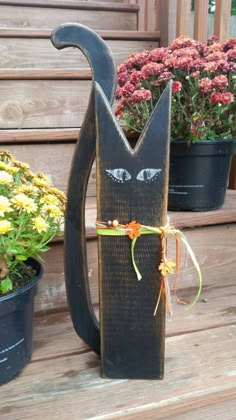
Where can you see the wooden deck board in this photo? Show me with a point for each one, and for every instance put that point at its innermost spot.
(70, 386)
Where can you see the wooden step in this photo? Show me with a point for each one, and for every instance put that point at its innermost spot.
(48, 14)
(211, 235)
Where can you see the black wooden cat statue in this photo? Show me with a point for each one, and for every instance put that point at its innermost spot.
(131, 194)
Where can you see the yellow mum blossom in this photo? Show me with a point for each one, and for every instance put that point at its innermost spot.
(49, 199)
(12, 169)
(5, 178)
(27, 189)
(53, 211)
(21, 165)
(58, 193)
(4, 205)
(40, 224)
(5, 226)
(22, 202)
(3, 165)
(41, 183)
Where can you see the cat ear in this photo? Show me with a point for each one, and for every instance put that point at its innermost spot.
(155, 137)
(110, 137)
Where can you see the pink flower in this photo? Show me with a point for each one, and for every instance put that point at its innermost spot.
(205, 85)
(119, 92)
(120, 108)
(158, 54)
(165, 76)
(231, 54)
(135, 77)
(128, 89)
(212, 39)
(227, 98)
(176, 87)
(122, 78)
(151, 69)
(215, 98)
(182, 42)
(141, 95)
(220, 82)
(195, 74)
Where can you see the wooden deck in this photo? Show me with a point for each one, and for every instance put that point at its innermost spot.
(63, 381)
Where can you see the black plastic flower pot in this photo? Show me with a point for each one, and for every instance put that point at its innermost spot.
(16, 325)
(199, 174)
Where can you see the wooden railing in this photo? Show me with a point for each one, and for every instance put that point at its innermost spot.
(173, 18)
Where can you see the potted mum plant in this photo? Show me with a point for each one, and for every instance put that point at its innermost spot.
(31, 214)
(203, 119)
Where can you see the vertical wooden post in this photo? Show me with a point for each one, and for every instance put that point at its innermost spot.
(167, 21)
(183, 17)
(141, 15)
(232, 178)
(200, 20)
(222, 19)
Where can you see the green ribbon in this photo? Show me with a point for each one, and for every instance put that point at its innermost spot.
(149, 230)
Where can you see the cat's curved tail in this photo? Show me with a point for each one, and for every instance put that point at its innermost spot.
(76, 269)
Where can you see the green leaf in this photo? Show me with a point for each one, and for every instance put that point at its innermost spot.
(6, 285)
(21, 257)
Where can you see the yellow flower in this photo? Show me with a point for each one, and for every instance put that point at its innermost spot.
(167, 266)
(40, 224)
(21, 165)
(49, 199)
(5, 178)
(12, 169)
(4, 205)
(58, 193)
(22, 202)
(5, 226)
(53, 211)
(40, 182)
(27, 189)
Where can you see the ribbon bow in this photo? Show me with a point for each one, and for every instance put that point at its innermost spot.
(167, 265)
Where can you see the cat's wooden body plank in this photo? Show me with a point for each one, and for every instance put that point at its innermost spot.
(131, 185)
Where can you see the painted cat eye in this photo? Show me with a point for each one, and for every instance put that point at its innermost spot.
(148, 174)
(119, 174)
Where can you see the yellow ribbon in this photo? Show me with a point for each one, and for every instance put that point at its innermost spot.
(167, 265)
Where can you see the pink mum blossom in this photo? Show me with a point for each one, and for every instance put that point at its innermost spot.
(205, 85)
(220, 82)
(141, 95)
(128, 89)
(227, 98)
(135, 77)
(158, 54)
(152, 69)
(119, 92)
(176, 87)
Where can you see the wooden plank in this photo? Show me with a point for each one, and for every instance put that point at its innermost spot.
(53, 160)
(141, 15)
(42, 74)
(222, 19)
(150, 23)
(105, 34)
(195, 376)
(29, 57)
(37, 17)
(42, 103)
(217, 262)
(200, 20)
(183, 17)
(39, 135)
(168, 10)
(74, 4)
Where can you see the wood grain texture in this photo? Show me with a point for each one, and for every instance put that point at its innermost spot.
(183, 18)
(49, 18)
(36, 53)
(217, 266)
(222, 19)
(46, 158)
(105, 34)
(127, 304)
(200, 20)
(42, 103)
(39, 135)
(74, 4)
(196, 376)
